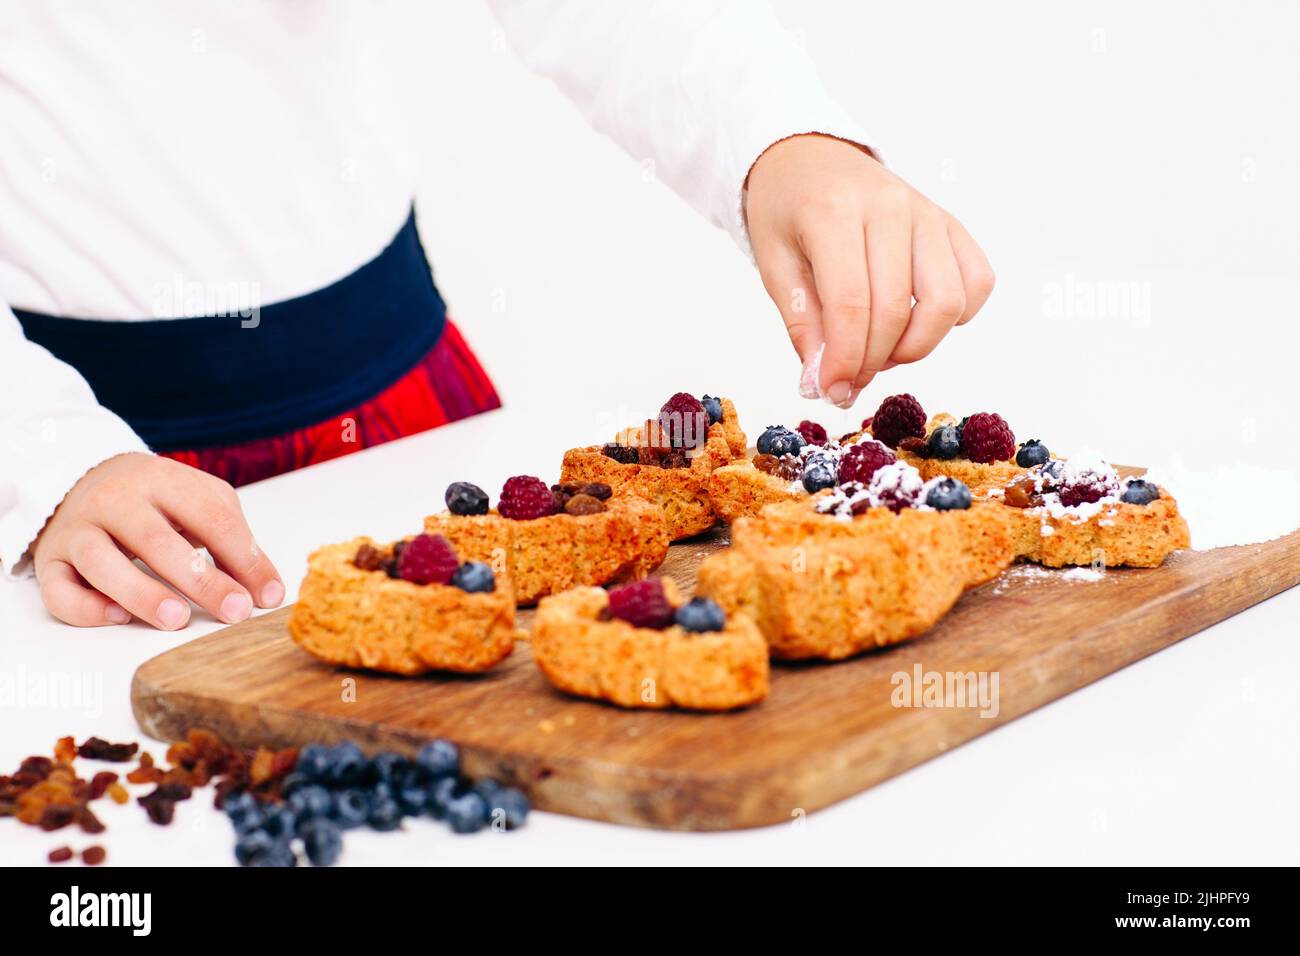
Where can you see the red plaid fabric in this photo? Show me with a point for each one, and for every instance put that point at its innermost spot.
(446, 385)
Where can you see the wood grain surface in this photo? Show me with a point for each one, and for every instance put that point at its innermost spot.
(827, 731)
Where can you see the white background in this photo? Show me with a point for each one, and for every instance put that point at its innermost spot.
(1144, 150)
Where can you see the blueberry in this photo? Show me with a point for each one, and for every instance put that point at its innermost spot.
(382, 790)
(280, 822)
(475, 577)
(1140, 492)
(309, 802)
(701, 614)
(250, 821)
(819, 473)
(251, 845)
(467, 813)
(945, 442)
(465, 499)
(385, 815)
(413, 799)
(351, 808)
(487, 788)
(948, 494)
(713, 407)
(1052, 469)
(441, 793)
(237, 806)
(1032, 452)
(778, 440)
(508, 807)
(292, 782)
(278, 854)
(322, 841)
(387, 767)
(313, 762)
(438, 759)
(347, 765)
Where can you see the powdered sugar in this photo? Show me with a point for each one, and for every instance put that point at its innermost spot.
(895, 486)
(1032, 575)
(1049, 479)
(841, 501)
(810, 377)
(1230, 504)
(1083, 574)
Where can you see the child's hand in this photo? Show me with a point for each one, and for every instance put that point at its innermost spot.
(158, 510)
(843, 246)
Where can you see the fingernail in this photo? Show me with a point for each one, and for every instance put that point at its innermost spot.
(173, 614)
(235, 607)
(116, 614)
(272, 594)
(838, 393)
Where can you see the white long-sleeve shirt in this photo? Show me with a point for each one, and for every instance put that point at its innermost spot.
(152, 147)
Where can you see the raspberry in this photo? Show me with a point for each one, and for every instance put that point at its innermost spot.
(428, 559)
(896, 487)
(1085, 482)
(684, 419)
(524, 497)
(860, 462)
(812, 433)
(986, 437)
(1072, 495)
(642, 604)
(898, 417)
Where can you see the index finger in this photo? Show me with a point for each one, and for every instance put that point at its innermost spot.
(209, 512)
(838, 255)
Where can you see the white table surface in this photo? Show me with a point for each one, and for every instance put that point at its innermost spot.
(1187, 757)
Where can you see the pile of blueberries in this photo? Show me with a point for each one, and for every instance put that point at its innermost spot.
(337, 788)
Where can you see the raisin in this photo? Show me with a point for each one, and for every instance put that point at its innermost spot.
(65, 750)
(94, 855)
(88, 822)
(917, 446)
(61, 855)
(143, 774)
(584, 505)
(766, 464)
(56, 816)
(664, 457)
(368, 558)
(96, 748)
(39, 766)
(99, 783)
(623, 454)
(1021, 493)
(118, 793)
(160, 808)
(262, 768)
(284, 761)
(596, 489)
(391, 564)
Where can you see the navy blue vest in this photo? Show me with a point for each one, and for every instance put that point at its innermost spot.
(203, 382)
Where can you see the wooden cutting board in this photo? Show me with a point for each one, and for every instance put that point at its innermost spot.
(826, 731)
